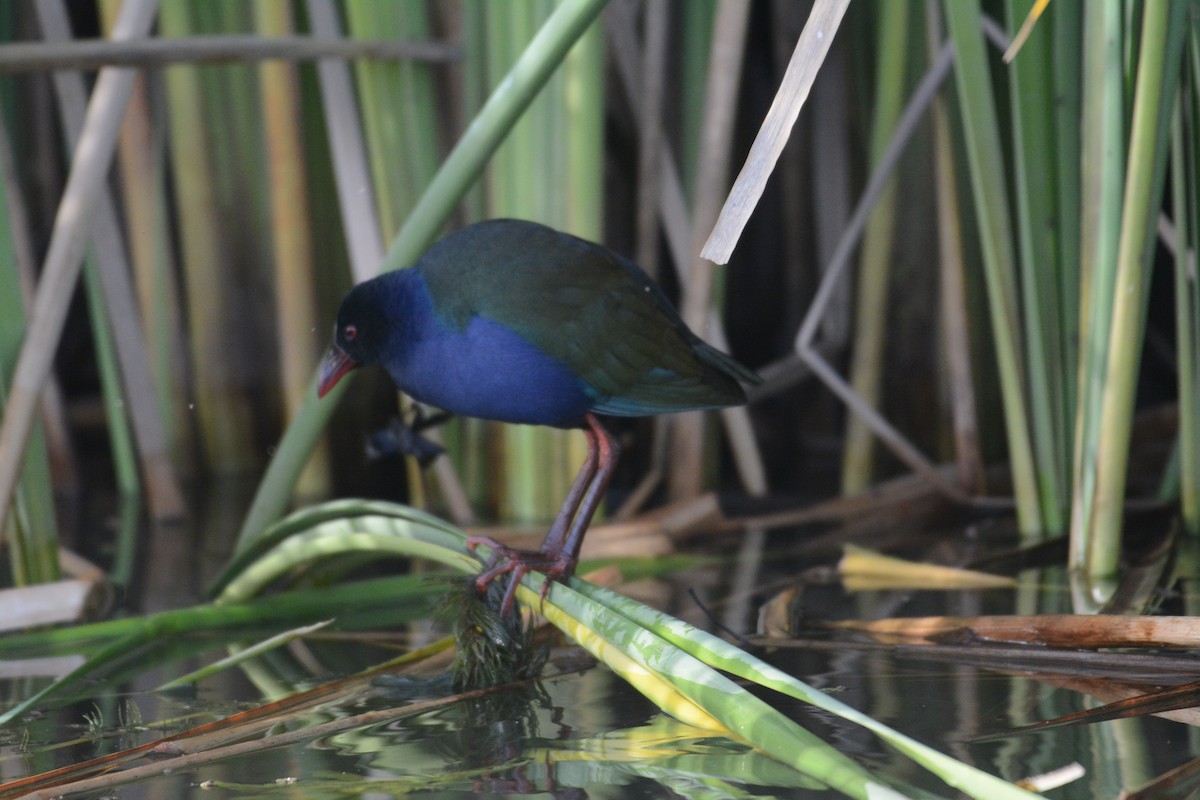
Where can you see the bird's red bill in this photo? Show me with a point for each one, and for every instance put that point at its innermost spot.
(335, 365)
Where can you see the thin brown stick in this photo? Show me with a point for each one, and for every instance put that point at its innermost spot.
(641, 493)
(653, 61)
(673, 216)
(956, 333)
(830, 190)
(1186, 775)
(740, 433)
(94, 54)
(895, 441)
(721, 93)
(1121, 701)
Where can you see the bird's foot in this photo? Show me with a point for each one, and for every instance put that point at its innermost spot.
(517, 564)
(401, 438)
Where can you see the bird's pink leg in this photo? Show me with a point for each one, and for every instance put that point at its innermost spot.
(606, 453)
(559, 553)
(553, 542)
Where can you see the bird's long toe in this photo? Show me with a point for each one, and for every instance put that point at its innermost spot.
(517, 564)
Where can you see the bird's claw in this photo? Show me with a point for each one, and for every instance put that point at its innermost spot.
(518, 563)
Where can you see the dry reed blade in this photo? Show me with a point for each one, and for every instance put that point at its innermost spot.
(142, 161)
(1162, 701)
(1074, 631)
(672, 211)
(92, 772)
(49, 460)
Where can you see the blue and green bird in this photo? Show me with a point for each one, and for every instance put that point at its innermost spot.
(513, 321)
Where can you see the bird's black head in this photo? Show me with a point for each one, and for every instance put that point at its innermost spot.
(358, 335)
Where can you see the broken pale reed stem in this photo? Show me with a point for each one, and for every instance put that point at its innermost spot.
(807, 59)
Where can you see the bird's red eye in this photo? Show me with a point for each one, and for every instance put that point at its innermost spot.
(350, 333)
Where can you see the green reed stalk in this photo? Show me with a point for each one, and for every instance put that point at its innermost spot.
(955, 327)
(1187, 310)
(581, 157)
(512, 190)
(399, 108)
(550, 170)
(986, 164)
(468, 441)
(695, 41)
(1038, 229)
(1157, 77)
(31, 529)
(1102, 182)
(112, 390)
(1066, 75)
(583, 150)
(223, 417)
(874, 270)
(670, 662)
(1189, 349)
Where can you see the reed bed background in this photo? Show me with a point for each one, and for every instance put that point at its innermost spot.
(975, 262)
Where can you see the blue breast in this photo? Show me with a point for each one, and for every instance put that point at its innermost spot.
(483, 370)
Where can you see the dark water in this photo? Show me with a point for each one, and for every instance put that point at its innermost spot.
(590, 735)
(585, 733)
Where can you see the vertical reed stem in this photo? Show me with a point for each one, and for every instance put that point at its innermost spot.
(874, 271)
(1157, 76)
